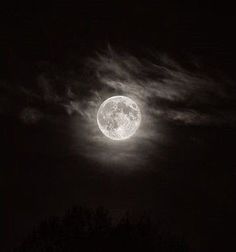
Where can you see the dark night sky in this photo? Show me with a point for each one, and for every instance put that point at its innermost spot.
(188, 174)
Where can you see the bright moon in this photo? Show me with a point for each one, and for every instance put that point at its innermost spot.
(118, 117)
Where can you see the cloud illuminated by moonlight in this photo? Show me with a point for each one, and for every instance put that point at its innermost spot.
(166, 93)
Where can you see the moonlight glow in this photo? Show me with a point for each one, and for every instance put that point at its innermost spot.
(118, 117)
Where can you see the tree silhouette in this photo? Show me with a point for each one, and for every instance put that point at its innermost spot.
(82, 229)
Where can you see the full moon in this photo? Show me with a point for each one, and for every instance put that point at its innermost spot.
(118, 117)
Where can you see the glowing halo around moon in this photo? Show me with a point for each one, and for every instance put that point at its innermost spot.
(118, 117)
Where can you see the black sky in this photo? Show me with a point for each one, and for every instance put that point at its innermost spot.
(189, 177)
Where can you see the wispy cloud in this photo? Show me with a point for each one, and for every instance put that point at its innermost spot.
(165, 91)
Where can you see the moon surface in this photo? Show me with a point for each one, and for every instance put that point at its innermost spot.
(118, 117)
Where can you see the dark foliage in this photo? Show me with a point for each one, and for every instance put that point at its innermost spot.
(82, 229)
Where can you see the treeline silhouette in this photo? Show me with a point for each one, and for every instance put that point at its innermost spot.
(83, 229)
